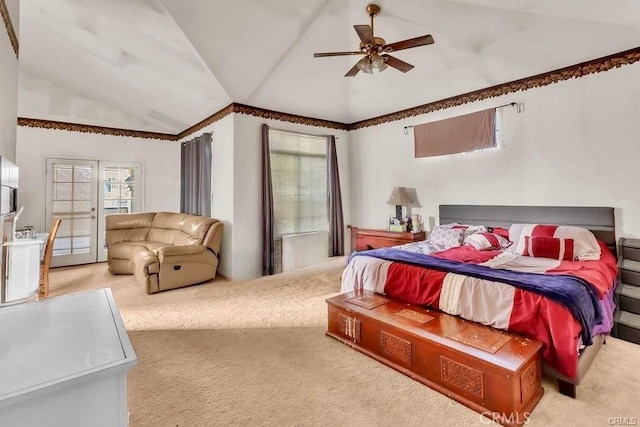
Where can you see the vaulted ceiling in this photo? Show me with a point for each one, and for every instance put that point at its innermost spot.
(164, 65)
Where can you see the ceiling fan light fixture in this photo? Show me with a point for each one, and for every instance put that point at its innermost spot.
(378, 62)
(380, 68)
(365, 67)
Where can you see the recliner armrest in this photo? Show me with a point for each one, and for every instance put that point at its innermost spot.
(192, 254)
(180, 250)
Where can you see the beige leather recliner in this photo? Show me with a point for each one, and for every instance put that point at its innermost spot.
(164, 250)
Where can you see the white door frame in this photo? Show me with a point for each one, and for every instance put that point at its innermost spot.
(99, 252)
(73, 259)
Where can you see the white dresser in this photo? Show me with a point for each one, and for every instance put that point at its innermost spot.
(23, 273)
(64, 362)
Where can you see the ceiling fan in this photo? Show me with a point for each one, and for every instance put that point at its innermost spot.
(376, 50)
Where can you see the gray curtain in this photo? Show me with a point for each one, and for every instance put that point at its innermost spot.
(336, 221)
(195, 176)
(268, 251)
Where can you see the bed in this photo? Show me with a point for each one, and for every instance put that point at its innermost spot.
(570, 308)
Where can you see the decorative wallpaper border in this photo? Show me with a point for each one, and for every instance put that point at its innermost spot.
(286, 117)
(76, 127)
(593, 66)
(218, 115)
(250, 110)
(7, 23)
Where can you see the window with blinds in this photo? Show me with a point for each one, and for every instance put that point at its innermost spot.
(299, 182)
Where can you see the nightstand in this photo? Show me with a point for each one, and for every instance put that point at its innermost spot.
(627, 316)
(363, 239)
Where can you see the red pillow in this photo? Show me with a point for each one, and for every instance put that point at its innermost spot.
(504, 232)
(548, 247)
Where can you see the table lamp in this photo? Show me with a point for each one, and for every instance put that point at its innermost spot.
(400, 197)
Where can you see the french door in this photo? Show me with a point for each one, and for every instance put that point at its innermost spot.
(72, 197)
(81, 193)
(120, 192)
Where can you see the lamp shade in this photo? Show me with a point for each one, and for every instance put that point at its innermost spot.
(415, 203)
(400, 196)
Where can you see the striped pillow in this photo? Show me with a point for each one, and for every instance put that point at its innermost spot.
(486, 241)
(548, 247)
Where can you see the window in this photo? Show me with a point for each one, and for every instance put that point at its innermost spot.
(299, 182)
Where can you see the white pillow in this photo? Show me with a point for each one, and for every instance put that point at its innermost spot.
(468, 229)
(586, 247)
(446, 237)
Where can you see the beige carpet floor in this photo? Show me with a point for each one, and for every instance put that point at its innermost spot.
(255, 353)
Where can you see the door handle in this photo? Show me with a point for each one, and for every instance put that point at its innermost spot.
(93, 217)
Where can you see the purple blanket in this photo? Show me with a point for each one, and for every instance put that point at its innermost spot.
(574, 293)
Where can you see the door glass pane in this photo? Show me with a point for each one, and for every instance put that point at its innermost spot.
(81, 245)
(72, 193)
(119, 190)
(62, 206)
(62, 245)
(64, 230)
(82, 206)
(82, 226)
(82, 174)
(63, 173)
(82, 191)
(62, 191)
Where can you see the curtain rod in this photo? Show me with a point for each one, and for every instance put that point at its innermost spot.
(300, 133)
(519, 109)
(193, 139)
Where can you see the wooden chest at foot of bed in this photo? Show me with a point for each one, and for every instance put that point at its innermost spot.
(492, 372)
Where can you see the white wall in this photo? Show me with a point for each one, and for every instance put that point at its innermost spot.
(576, 144)
(8, 86)
(160, 163)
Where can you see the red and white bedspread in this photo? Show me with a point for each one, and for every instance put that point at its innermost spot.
(488, 302)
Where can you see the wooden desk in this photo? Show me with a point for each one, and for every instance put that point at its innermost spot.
(363, 239)
(64, 362)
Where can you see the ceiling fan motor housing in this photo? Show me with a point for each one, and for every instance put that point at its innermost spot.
(373, 9)
(379, 42)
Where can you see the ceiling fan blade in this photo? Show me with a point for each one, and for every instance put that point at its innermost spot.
(353, 71)
(407, 44)
(365, 32)
(396, 63)
(320, 55)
